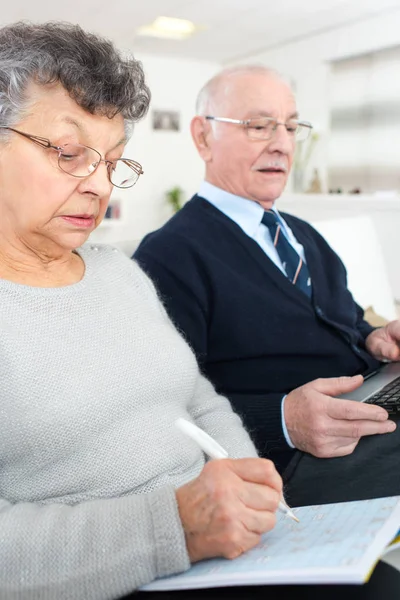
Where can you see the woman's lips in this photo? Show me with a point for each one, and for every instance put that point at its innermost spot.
(83, 221)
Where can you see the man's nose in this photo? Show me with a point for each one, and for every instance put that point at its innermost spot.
(282, 140)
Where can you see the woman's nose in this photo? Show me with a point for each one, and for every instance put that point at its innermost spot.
(98, 181)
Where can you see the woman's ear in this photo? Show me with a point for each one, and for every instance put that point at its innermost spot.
(201, 134)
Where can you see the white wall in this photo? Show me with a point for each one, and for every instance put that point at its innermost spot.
(306, 62)
(168, 158)
(364, 145)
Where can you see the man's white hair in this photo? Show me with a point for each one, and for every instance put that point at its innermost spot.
(218, 89)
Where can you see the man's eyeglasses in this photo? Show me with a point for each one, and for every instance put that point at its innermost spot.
(82, 161)
(263, 128)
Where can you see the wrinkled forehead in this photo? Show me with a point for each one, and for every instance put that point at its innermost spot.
(255, 94)
(52, 111)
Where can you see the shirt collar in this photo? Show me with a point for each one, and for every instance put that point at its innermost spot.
(246, 213)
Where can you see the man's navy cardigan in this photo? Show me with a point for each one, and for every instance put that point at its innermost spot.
(256, 336)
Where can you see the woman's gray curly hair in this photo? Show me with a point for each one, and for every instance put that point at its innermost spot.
(89, 67)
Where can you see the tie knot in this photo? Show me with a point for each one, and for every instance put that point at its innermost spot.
(270, 219)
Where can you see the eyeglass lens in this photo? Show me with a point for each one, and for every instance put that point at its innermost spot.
(265, 129)
(81, 161)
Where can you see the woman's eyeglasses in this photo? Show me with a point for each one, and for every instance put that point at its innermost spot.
(82, 161)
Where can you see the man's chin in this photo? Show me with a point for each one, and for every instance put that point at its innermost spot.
(267, 198)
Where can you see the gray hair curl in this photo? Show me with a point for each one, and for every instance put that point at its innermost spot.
(89, 67)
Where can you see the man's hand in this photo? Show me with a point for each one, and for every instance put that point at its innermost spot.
(228, 506)
(326, 426)
(384, 343)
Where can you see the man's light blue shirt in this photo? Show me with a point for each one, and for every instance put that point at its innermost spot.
(248, 214)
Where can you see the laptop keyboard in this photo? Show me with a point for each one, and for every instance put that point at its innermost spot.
(388, 397)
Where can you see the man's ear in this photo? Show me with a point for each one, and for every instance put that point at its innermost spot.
(201, 133)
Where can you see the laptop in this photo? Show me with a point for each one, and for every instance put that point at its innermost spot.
(381, 387)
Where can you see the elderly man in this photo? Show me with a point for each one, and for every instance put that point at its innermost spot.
(260, 296)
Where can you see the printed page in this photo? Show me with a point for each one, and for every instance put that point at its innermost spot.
(333, 543)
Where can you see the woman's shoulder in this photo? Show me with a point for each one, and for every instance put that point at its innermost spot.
(109, 260)
(104, 254)
(115, 265)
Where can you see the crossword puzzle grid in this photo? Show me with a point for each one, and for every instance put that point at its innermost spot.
(327, 536)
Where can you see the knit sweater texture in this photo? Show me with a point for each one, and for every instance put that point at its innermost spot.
(92, 377)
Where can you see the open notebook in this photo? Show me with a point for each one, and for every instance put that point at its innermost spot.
(333, 543)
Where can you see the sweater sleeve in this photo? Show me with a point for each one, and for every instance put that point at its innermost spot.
(265, 427)
(214, 414)
(96, 550)
(186, 301)
(362, 325)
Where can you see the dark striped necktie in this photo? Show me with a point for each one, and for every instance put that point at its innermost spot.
(294, 266)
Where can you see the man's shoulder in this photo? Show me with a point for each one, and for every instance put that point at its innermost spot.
(195, 223)
(197, 212)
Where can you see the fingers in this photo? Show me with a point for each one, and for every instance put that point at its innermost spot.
(334, 386)
(387, 350)
(356, 429)
(257, 470)
(260, 497)
(393, 333)
(351, 410)
(259, 522)
(384, 343)
(326, 426)
(223, 511)
(237, 543)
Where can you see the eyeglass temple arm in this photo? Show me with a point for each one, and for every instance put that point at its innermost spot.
(44, 142)
(135, 166)
(132, 164)
(226, 120)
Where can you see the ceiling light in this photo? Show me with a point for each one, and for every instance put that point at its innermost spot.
(167, 27)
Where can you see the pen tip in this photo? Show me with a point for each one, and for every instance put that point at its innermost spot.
(294, 517)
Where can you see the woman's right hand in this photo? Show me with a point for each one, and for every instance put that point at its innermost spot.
(226, 509)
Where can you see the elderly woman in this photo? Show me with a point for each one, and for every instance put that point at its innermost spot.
(100, 492)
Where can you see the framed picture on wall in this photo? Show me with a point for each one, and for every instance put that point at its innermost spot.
(166, 120)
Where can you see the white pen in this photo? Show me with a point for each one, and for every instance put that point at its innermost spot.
(214, 450)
